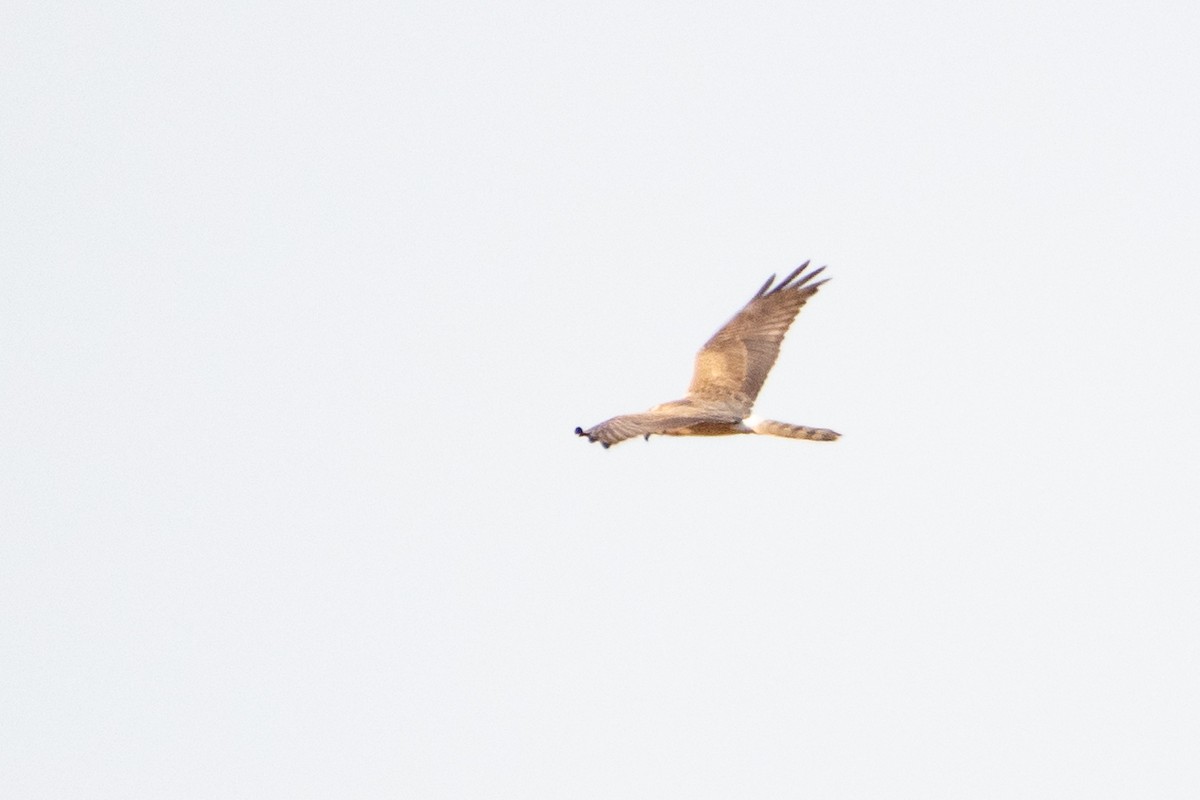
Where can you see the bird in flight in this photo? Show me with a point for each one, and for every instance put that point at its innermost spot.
(730, 371)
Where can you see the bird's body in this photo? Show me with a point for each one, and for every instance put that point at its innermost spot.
(730, 371)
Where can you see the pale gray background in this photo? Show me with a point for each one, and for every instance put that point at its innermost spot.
(301, 302)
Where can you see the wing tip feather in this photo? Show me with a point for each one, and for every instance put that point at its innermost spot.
(790, 281)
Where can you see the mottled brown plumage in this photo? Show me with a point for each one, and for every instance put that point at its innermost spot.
(730, 371)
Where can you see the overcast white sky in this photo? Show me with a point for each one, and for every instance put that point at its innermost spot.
(300, 304)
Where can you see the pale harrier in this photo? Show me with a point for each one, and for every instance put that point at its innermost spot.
(730, 370)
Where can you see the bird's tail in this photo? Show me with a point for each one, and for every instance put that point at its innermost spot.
(790, 431)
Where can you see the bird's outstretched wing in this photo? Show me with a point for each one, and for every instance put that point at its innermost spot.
(733, 364)
(618, 429)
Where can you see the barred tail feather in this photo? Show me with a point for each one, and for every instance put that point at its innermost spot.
(790, 431)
